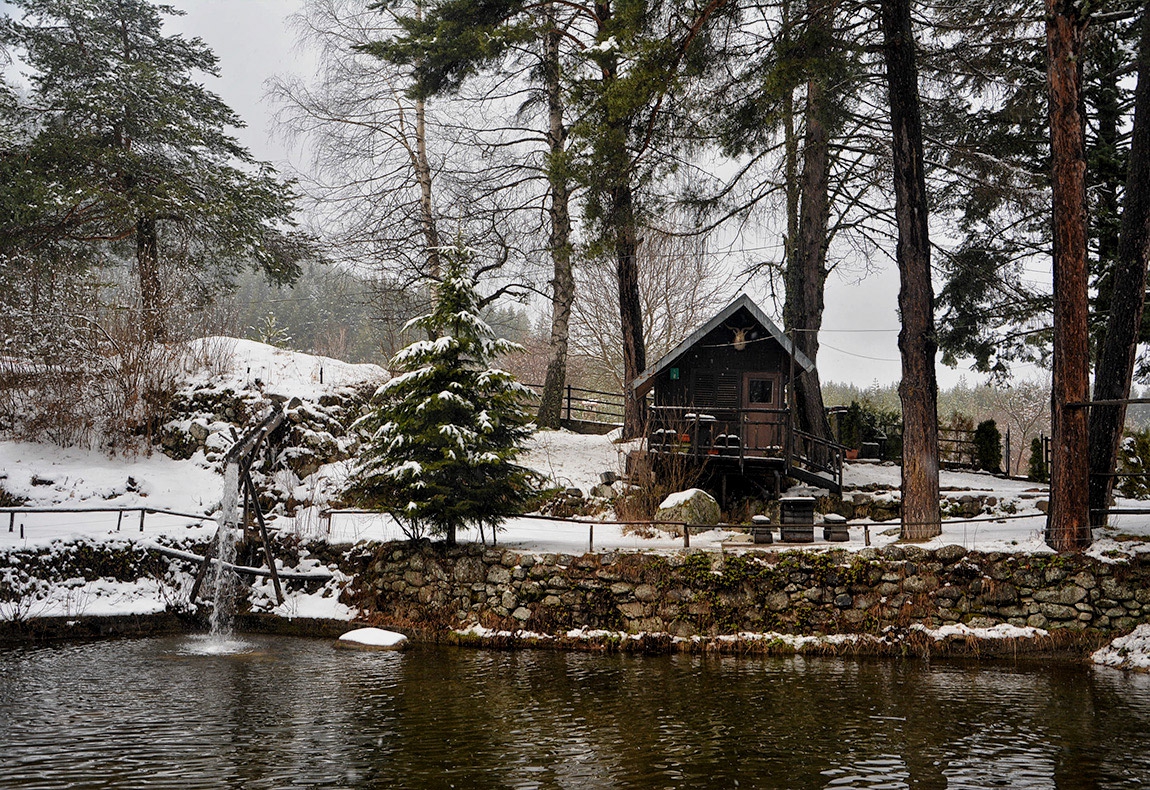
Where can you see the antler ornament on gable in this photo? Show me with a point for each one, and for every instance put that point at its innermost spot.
(740, 333)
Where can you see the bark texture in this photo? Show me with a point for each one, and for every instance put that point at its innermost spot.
(426, 206)
(806, 272)
(563, 281)
(1114, 367)
(151, 291)
(1067, 526)
(630, 309)
(918, 390)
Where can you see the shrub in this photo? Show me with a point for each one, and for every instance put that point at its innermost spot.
(988, 446)
(1134, 459)
(1037, 471)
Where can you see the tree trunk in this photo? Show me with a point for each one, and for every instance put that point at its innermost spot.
(151, 292)
(1114, 367)
(630, 309)
(623, 235)
(806, 273)
(918, 390)
(1067, 526)
(423, 176)
(563, 283)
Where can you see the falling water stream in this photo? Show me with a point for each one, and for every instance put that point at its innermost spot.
(224, 578)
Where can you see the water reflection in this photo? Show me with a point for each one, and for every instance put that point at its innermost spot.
(288, 712)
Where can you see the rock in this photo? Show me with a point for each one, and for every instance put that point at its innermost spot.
(950, 554)
(604, 491)
(198, 431)
(371, 639)
(646, 593)
(693, 506)
(1067, 596)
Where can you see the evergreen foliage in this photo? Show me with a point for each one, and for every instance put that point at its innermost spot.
(1038, 470)
(116, 140)
(1134, 460)
(988, 446)
(448, 430)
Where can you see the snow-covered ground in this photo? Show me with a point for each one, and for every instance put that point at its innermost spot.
(60, 479)
(52, 477)
(237, 364)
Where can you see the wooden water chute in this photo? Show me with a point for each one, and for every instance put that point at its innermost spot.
(722, 397)
(243, 453)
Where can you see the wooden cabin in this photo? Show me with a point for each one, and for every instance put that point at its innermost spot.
(723, 397)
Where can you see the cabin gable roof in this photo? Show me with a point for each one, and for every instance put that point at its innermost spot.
(645, 380)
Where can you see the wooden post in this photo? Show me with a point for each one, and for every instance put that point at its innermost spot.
(792, 403)
(264, 537)
(686, 536)
(203, 571)
(590, 538)
(568, 401)
(12, 521)
(143, 512)
(119, 519)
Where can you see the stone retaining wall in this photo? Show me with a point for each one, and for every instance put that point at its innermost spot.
(426, 585)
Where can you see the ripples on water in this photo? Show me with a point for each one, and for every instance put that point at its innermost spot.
(274, 713)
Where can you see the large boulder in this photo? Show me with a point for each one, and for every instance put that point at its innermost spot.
(694, 506)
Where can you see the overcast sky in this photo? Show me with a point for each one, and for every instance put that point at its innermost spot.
(254, 41)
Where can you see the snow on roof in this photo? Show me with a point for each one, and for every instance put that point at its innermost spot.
(238, 364)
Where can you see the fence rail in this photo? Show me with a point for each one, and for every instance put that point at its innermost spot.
(587, 405)
(120, 511)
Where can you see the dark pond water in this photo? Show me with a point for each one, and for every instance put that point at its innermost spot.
(296, 713)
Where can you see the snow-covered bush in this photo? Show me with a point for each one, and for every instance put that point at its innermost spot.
(445, 435)
(1134, 459)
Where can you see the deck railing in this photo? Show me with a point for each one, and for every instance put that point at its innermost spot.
(742, 434)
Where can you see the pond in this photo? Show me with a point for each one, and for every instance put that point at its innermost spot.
(285, 712)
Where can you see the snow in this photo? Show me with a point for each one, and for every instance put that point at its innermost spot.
(98, 598)
(572, 460)
(240, 363)
(678, 498)
(375, 637)
(1127, 652)
(1000, 631)
(51, 477)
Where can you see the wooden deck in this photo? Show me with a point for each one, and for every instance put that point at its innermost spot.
(751, 439)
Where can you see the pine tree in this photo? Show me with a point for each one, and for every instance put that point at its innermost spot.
(121, 143)
(449, 428)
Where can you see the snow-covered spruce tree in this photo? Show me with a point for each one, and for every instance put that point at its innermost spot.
(448, 430)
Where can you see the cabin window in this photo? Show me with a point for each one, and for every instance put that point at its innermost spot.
(760, 391)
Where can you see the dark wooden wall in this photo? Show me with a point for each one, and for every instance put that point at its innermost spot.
(711, 371)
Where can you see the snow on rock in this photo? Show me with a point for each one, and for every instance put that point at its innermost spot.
(322, 604)
(372, 639)
(1127, 652)
(693, 506)
(244, 364)
(1000, 631)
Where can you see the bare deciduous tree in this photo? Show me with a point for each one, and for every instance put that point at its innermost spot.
(679, 289)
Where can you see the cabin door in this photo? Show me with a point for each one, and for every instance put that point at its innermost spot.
(763, 417)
